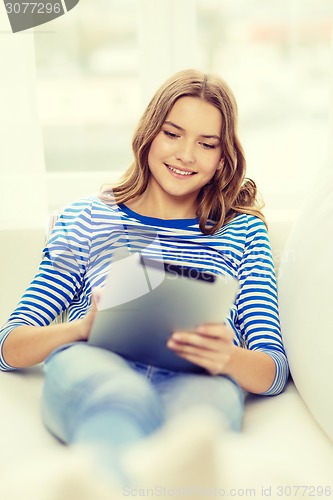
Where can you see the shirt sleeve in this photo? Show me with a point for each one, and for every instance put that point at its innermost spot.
(59, 279)
(257, 314)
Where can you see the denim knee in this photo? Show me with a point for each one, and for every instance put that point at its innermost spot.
(126, 393)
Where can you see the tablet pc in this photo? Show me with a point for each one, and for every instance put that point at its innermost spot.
(144, 301)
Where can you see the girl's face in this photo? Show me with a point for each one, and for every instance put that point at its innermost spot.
(186, 153)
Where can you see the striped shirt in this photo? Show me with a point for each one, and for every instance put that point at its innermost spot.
(79, 252)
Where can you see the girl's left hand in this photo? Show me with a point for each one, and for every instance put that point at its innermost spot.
(209, 346)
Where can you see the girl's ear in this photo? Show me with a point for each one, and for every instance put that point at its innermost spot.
(221, 163)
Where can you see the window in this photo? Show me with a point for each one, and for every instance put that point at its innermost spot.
(276, 58)
(88, 86)
(102, 61)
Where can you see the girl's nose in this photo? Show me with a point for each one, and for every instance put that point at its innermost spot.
(186, 153)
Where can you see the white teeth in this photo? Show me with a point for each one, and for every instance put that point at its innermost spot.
(181, 172)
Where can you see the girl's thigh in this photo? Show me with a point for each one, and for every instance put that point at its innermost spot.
(221, 393)
(81, 379)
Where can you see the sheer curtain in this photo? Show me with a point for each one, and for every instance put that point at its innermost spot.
(167, 41)
(22, 170)
(23, 207)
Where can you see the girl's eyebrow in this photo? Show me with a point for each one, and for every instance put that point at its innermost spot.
(178, 127)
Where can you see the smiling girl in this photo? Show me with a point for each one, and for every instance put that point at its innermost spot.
(187, 184)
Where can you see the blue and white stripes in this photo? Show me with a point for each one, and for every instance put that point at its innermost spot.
(86, 235)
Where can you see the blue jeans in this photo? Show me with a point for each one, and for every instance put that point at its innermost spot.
(93, 396)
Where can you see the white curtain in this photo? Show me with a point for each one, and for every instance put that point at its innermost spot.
(167, 41)
(22, 171)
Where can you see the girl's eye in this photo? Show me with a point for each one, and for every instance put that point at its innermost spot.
(170, 134)
(208, 146)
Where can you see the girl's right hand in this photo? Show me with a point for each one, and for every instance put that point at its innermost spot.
(28, 345)
(85, 324)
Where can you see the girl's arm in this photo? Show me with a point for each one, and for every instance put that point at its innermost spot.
(255, 371)
(29, 336)
(255, 357)
(29, 345)
(212, 347)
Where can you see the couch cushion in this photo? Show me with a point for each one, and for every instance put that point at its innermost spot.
(281, 446)
(280, 222)
(305, 295)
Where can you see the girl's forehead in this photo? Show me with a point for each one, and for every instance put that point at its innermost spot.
(192, 112)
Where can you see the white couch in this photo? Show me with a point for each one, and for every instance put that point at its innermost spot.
(281, 453)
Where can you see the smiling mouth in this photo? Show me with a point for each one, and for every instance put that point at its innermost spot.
(185, 173)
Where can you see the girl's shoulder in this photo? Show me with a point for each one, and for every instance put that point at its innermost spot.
(88, 207)
(242, 232)
(243, 224)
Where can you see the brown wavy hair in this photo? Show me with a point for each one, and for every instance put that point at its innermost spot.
(229, 192)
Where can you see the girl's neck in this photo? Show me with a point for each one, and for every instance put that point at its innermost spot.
(167, 207)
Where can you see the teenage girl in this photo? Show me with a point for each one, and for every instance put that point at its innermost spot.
(187, 185)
